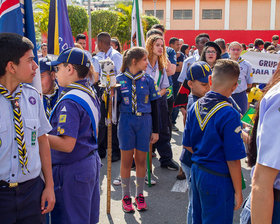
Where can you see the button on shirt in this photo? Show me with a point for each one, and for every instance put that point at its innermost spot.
(219, 142)
(35, 124)
(245, 76)
(186, 65)
(71, 119)
(268, 141)
(145, 92)
(154, 73)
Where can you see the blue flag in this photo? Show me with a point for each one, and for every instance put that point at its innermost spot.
(59, 29)
(17, 17)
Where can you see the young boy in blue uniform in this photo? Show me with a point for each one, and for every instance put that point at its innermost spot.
(73, 141)
(49, 86)
(24, 147)
(213, 135)
(197, 77)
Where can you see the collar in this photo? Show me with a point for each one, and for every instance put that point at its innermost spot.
(108, 53)
(153, 68)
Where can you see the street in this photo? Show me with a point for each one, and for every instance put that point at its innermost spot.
(167, 200)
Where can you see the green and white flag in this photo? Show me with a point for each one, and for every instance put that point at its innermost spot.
(137, 34)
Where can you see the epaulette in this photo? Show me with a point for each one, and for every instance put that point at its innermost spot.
(27, 85)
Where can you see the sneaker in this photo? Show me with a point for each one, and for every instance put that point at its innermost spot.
(153, 182)
(171, 166)
(127, 205)
(140, 203)
(117, 181)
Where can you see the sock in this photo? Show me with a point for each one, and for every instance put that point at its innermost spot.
(139, 185)
(125, 187)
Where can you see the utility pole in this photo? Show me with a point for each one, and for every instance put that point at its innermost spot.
(89, 27)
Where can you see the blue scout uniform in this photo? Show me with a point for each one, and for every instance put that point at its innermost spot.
(50, 100)
(245, 77)
(268, 148)
(163, 144)
(135, 128)
(76, 174)
(35, 124)
(213, 131)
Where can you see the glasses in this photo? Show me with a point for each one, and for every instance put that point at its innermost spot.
(56, 69)
(211, 52)
(235, 49)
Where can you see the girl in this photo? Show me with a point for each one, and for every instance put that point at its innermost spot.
(138, 122)
(211, 53)
(156, 68)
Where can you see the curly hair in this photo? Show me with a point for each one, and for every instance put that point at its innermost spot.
(162, 60)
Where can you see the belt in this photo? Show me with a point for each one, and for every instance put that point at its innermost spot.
(276, 195)
(6, 185)
(212, 171)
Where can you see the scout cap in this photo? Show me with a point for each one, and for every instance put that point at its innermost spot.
(43, 65)
(74, 56)
(199, 71)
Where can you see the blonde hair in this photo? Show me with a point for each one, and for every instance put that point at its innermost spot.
(162, 60)
(234, 43)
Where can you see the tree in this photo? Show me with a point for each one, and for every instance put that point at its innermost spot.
(41, 15)
(124, 24)
(78, 19)
(148, 22)
(104, 21)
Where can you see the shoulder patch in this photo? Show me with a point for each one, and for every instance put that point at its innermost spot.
(237, 130)
(29, 86)
(62, 118)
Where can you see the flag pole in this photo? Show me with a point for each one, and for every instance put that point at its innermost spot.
(89, 27)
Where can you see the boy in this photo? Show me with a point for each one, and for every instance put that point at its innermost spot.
(213, 135)
(24, 147)
(197, 77)
(49, 87)
(73, 141)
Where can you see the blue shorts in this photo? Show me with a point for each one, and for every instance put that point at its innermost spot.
(134, 132)
(213, 197)
(76, 188)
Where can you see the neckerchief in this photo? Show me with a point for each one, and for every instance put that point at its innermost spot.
(133, 88)
(208, 105)
(22, 153)
(49, 100)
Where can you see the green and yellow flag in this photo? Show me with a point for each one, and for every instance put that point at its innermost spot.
(248, 117)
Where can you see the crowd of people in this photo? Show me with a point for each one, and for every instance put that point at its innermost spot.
(66, 135)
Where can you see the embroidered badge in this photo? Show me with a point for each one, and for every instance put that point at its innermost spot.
(251, 74)
(146, 98)
(33, 138)
(154, 94)
(62, 118)
(61, 131)
(206, 67)
(143, 79)
(125, 91)
(64, 109)
(237, 130)
(126, 100)
(32, 100)
(58, 129)
(239, 81)
(142, 87)
(0, 142)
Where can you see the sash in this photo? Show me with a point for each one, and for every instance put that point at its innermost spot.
(85, 101)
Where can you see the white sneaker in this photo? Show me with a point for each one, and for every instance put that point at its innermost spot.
(117, 181)
(153, 182)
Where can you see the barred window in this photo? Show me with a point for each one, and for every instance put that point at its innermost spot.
(212, 14)
(159, 13)
(182, 14)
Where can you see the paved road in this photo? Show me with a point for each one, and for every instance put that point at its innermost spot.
(164, 205)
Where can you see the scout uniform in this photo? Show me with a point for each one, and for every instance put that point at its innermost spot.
(20, 169)
(186, 65)
(245, 77)
(76, 174)
(135, 124)
(213, 131)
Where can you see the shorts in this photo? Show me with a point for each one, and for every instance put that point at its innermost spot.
(134, 132)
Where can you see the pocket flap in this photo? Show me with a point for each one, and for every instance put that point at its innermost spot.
(32, 123)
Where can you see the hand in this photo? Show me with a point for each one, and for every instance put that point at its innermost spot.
(154, 138)
(49, 197)
(238, 200)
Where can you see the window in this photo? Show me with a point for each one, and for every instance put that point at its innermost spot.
(159, 13)
(182, 14)
(211, 14)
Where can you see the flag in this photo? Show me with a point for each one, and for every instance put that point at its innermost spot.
(182, 97)
(16, 16)
(137, 34)
(59, 29)
(249, 116)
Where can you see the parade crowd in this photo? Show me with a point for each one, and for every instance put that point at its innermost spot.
(51, 146)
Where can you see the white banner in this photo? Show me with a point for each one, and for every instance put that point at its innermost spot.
(263, 64)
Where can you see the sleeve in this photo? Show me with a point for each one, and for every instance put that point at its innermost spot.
(154, 93)
(164, 83)
(183, 73)
(172, 57)
(117, 58)
(119, 98)
(44, 126)
(268, 140)
(249, 75)
(96, 65)
(233, 144)
(187, 129)
(68, 118)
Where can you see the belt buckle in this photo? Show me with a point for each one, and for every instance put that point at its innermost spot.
(138, 114)
(12, 185)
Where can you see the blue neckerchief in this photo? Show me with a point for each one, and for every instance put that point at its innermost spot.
(208, 105)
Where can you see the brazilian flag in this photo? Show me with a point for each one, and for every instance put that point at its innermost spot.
(248, 117)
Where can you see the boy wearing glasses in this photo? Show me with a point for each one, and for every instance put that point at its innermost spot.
(73, 141)
(245, 79)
